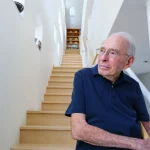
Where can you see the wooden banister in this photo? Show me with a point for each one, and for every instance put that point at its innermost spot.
(144, 132)
(94, 59)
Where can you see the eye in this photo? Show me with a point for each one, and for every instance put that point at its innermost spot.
(113, 52)
(101, 51)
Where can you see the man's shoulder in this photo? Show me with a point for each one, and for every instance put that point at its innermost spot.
(130, 79)
(84, 71)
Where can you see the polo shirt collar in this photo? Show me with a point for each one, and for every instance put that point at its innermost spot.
(123, 76)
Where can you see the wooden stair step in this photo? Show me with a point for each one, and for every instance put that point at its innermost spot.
(74, 61)
(61, 67)
(72, 55)
(55, 105)
(70, 59)
(41, 147)
(57, 96)
(70, 65)
(75, 50)
(60, 83)
(72, 52)
(46, 135)
(63, 73)
(47, 118)
(61, 77)
(67, 69)
(56, 89)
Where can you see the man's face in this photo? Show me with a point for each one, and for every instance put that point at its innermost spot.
(112, 66)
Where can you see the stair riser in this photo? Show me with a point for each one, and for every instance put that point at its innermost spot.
(60, 84)
(72, 52)
(54, 107)
(71, 65)
(71, 56)
(47, 119)
(63, 73)
(53, 78)
(59, 90)
(71, 59)
(57, 98)
(74, 57)
(67, 69)
(77, 53)
(46, 137)
(68, 62)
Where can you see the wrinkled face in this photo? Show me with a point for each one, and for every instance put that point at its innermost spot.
(112, 66)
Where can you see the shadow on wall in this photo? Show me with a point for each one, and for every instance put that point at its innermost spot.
(20, 6)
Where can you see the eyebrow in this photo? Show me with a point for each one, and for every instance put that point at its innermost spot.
(110, 49)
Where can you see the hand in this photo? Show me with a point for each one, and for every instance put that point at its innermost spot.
(143, 144)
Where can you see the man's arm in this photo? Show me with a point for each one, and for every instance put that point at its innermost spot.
(146, 125)
(82, 131)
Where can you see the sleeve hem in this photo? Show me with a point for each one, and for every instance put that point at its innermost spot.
(144, 118)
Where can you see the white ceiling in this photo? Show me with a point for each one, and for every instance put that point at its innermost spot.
(132, 18)
(74, 22)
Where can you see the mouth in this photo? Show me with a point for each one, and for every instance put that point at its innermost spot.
(104, 67)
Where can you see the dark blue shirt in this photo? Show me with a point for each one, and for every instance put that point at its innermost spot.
(115, 107)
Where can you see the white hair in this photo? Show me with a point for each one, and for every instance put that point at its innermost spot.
(130, 40)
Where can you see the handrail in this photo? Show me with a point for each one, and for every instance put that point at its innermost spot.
(144, 132)
(88, 50)
(95, 59)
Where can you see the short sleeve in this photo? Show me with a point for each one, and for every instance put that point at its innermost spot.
(142, 113)
(77, 104)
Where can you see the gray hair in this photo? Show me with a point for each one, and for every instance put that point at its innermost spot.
(130, 40)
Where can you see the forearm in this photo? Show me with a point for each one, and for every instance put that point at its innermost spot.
(99, 137)
(146, 125)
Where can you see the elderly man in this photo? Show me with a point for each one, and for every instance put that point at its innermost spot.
(107, 105)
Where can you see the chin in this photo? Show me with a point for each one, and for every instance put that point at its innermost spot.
(104, 73)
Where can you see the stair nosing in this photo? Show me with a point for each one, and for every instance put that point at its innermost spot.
(22, 146)
(73, 67)
(57, 71)
(58, 128)
(55, 102)
(57, 87)
(60, 81)
(45, 112)
(62, 94)
(62, 75)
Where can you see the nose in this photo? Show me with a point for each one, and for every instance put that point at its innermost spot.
(104, 57)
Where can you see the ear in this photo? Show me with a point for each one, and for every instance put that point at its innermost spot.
(129, 62)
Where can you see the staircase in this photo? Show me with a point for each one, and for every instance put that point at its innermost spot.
(49, 129)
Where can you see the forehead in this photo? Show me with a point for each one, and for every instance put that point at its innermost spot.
(115, 42)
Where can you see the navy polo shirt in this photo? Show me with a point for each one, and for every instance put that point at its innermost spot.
(115, 107)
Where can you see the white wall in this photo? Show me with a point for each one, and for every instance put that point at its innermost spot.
(148, 17)
(74, 22)
(97, 20)
(39, 33)
(145, 79)
(101, 21)
(24, 70)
